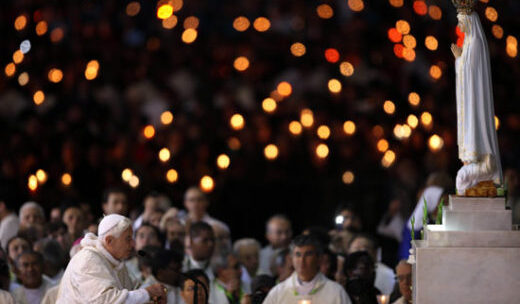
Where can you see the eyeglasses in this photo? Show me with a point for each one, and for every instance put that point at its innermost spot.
(401, 278)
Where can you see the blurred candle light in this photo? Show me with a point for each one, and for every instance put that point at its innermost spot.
(261, 24)
(388, 158)
(38, 97)
(32, 182)
(323, 132)
(66, 179)
(412, 121)
(241, 23)
(241, 63)
(172, 176)
(431, 43)
(389, 107)
(271, 152)
(126, 174)
(383, 299)
(346, 68)
(269, 105)
(334, 86)
(20, 22)
(295, 128)
(382, 145)
(237, 122)
(134, 181)
(149, 132)
(164, 155)
(298, 49)
(348, 177)
(349, 127)
(207, 184)
(166, 117)
(325, 11)
(307, 118)
(435, 143)
(41, 175)
(284, 88)
(322, 150)
(223, 161)
(414, 99)
(189, 35)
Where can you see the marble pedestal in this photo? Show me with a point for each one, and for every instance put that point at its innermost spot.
(473, 257)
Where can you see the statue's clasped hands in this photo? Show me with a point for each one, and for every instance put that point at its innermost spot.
(456, 50)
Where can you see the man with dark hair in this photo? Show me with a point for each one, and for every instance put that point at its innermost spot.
(202, 245)
(188, 286)
(348, 218)
(278, 231)
(9, 222)
(153, 203)
(282, 266)
(114, 200)
(55, 259)
(227, 288)
(29, 268)
(196, 204)
(384, 275)
(166, 268)
(307, 282)
(146, 235)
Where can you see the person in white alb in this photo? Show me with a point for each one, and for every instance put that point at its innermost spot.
(307, 283)
(9, 222)
(278, 232)
(97, 273)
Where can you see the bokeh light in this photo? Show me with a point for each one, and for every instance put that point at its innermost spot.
(134, 181)
(396, 3)
(149, 132)
(284, 88)
(164, 10)
(172, 176)
(298, 49)
(269, 105)
(389, 107)
(388, 158)
(409, 41)
(166, 117)
(32, 182)
(133, 8)
(41, 176)
(322, 150)
(497, 31)
(431, 43)
(55, 75)
(346, 68)
(57, 34)
(164, 154)
(356, 5)
(382, 145)
(10, 69)
(170, 22)
(403, 27)
(189, 35)
(241, 23)
(307, 118)
(23, 78)
(408, 54)
(207, 184)
(435, 12)
(348, 177)
(223, 161)
(66, 179)
(324, 11)
(414, 99)
(191, 22)
(241, 63)
(331, 55)
(334, 86)
(394, 35)
(420, 7)
(271, 152)
(497, 123)
(18, 56)
(41, 28)
(435, 143)
(237, 122)
(323, 132)
(91, 71)
(426, 119)
(261, 24)
(20, 22)
(491, 14)
(234, 143)
(126, 174)
(295, 127)
(412, 121)
(349, 127)
(38, 97)
(435, 72)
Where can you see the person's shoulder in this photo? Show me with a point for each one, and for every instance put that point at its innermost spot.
(331, 285)
(6, 297)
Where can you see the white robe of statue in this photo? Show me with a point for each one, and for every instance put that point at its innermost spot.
(477, 137)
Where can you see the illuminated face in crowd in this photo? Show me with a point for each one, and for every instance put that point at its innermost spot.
(146, 236)
(306, 262)
(115, 204)
(120, 247)
(279, 233)
(196, 203)
(188, 290)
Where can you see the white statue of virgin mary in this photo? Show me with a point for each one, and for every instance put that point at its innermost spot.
(476, 133)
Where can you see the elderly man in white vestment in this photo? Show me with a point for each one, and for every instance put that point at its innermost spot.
(97, 273)
(307, 283)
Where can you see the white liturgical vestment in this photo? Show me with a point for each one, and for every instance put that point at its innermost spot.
(476, 134)
(94, 276)
(322, 290)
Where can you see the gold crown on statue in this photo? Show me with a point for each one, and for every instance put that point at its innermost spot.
(464, 6)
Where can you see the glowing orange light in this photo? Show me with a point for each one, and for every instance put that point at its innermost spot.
(164, 154)
(322, 151)
(166, 117)
(241, 23)
(20, 22)
(307, 118)
(32, 182)
(412, 121)
(261, 24)
(149, 131)
(41, 28)
(170, 23)
(234, 143)
(408, 54)
(17, 56)
(324, 11)
(207, 184)
(332, 55)
(10, 69)
(269, 105)
(133, 8)
(491, 14)
(389, 107)
(497, 31)
(66, 179)
(394, 35)
(382, 145)
(91, 71)
(403, 27)
(349, 127)
(435, 12)
(164, 10)
(378, 131)
(431, 43)
(134, 181)
(356, 5)
(38, 97)
(172, 176)
(271, 152)
(409, 41)
(348, 177)
(191, 22)
(396, 3)
(237, 122)
(55, 75)
(284, 88)
(334, 86)
(177, 5)
(223, 161)
(420, 7)
(23, 79)
(189, 35)
(388, 158)
(323, 132)
(398, 50)
(241, 63)
(435, 143)
(426, 119)
(295, 128)
(497, 123)
(41, 176)
(127, 174)
(57, 34)
(414, 99)
(435, 72)
(298, 49)
(346, 68)
(511, 46)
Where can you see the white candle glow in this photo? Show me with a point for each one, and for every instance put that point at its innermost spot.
(383, 299)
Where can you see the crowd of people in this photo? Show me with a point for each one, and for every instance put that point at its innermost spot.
(167, 254)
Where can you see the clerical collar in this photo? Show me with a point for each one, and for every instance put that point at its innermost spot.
(306, 288)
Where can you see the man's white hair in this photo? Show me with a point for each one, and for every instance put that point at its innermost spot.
(246, 242)
(32, 204)
(116, 230)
